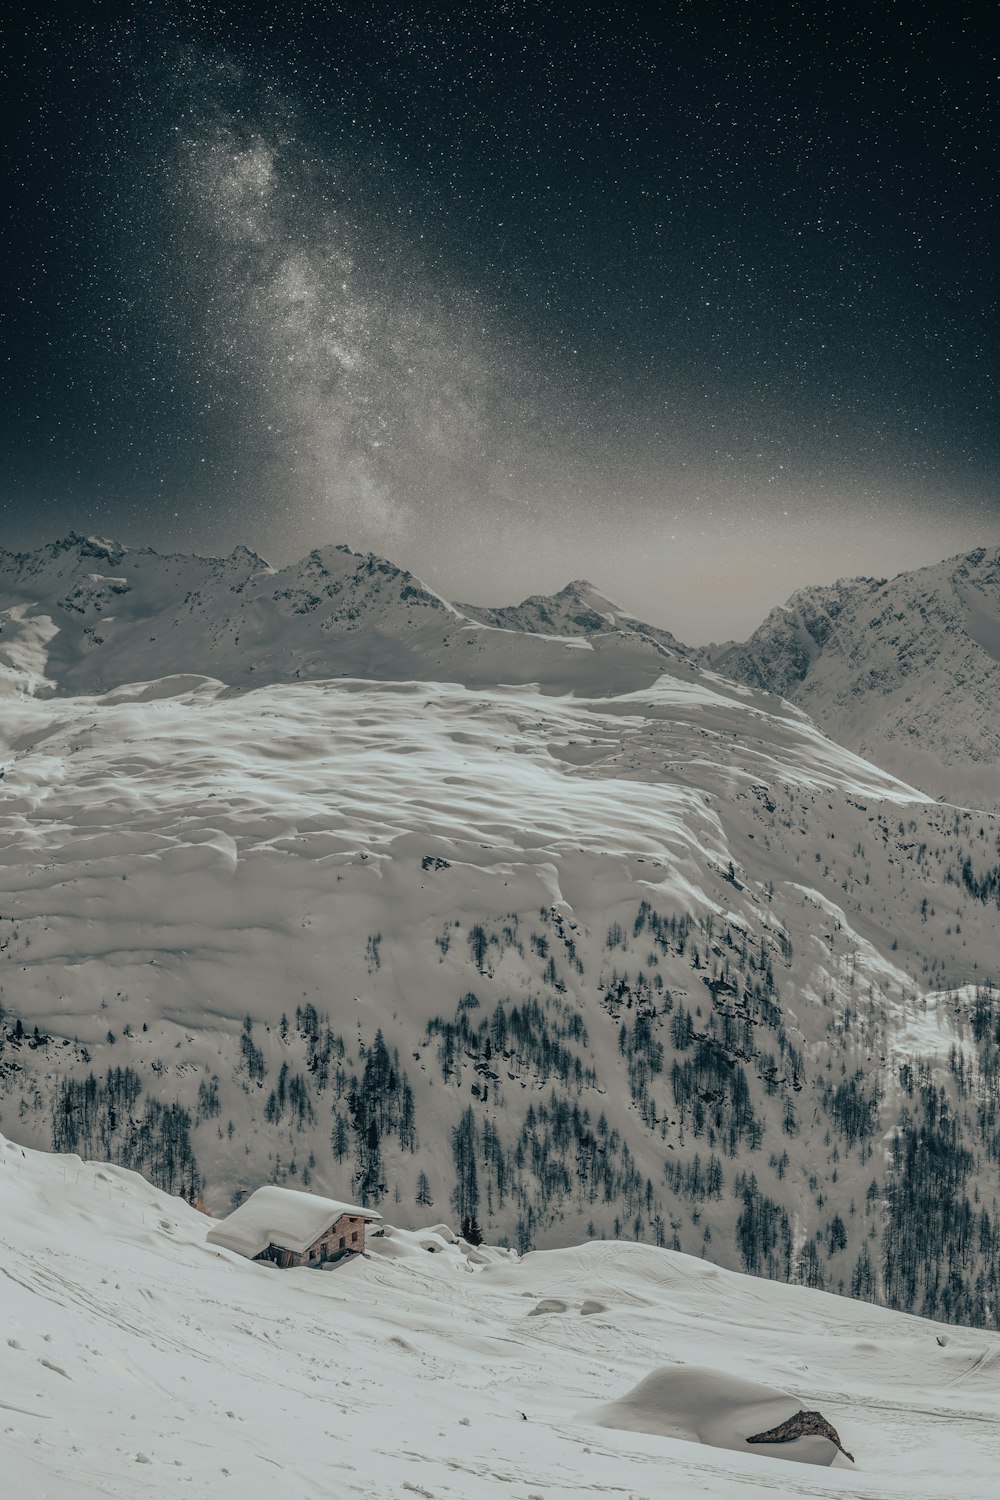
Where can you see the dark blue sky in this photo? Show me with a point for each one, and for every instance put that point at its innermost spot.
(701, 305)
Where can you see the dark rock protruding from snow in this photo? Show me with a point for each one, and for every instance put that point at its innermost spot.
(803, 1424)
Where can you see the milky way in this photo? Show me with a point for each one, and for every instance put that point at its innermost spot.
(703, 311)
(379, 402)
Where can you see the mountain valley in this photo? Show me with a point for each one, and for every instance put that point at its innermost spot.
(558, 935)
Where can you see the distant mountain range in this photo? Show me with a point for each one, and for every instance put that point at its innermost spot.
(85, 615)
(904, 671)
(579, 609)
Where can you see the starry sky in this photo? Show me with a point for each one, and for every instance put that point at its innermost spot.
(697, 301)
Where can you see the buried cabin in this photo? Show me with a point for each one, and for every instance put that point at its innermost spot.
(292, 1228)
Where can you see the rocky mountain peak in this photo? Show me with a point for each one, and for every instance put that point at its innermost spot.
(906, 671)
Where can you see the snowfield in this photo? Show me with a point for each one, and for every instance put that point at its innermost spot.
(175, 857)
(137, 1360)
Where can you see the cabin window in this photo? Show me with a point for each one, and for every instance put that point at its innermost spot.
(354, 1238)
(343, 1242)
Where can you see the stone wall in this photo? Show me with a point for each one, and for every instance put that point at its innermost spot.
(349, 1228)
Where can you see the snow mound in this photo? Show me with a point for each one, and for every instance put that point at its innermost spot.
(175, 685)
(700, 1405)
(391, 1243)
(549, 1305)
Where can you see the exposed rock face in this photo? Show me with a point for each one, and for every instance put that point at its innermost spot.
(904, 671)
(803, 1424)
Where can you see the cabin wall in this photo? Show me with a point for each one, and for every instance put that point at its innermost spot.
(348, 1228)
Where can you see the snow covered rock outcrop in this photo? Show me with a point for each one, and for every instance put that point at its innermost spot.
(721, 1409)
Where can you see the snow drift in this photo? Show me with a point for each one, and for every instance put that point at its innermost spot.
(714, 1407)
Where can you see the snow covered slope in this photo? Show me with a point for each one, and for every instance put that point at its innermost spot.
(907, 672)
(904, 671)
(136, 1359)
(610, 944)
(648, 963)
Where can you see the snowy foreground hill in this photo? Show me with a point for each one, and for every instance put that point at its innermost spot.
(312, 877)
(137, 1360)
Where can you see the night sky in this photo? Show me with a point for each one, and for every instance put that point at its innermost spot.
(696, 301)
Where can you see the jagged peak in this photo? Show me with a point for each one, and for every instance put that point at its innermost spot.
(89, 546)
(977, 559)
(241, 553)
(335, 557)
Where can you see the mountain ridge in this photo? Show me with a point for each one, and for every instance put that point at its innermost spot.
(67, 625)
(906, 671)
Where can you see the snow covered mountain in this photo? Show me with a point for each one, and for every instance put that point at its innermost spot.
(137, 1359)
(905, 671)
(578, 609)
(85, 615)
(562, 934)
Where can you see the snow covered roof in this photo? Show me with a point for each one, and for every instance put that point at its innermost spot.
(280, 1216)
